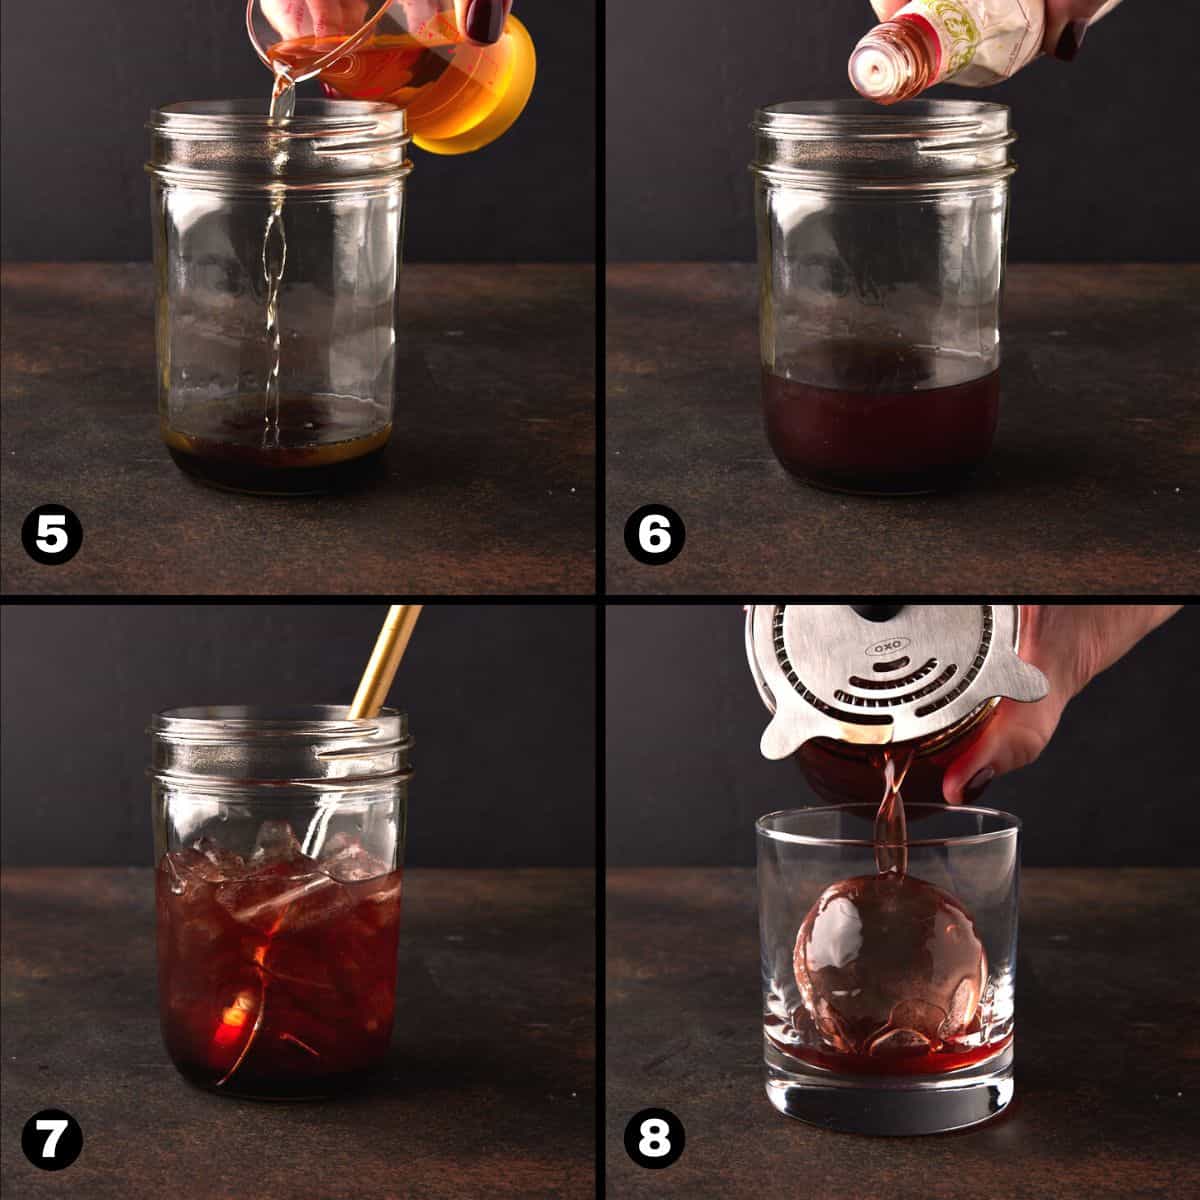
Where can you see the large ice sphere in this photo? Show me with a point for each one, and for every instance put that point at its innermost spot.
(888, 964)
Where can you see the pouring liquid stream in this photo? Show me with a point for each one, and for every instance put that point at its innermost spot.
(891, 830)
(274, 260)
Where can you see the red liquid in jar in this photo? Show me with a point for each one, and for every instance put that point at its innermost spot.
(882, 432)
(276, 979)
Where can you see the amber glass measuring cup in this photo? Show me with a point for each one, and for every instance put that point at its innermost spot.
(457, 95)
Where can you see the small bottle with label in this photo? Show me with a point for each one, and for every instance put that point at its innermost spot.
(971, 42)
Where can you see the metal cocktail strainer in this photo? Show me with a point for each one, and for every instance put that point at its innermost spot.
(880, 674)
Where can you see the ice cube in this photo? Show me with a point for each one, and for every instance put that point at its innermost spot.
(221, 862)
(184, 868)
(379, 900)
(299, 964)
(339, 843)
(888, 965)
(278, 900)
(345, 858)
(275, 843)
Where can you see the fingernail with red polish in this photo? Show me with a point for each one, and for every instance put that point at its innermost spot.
(1070, 40)
(485, 20)
(977, 783)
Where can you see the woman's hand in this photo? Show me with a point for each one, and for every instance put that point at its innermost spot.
(479, 21)
(482, 20)
(1070, 644)
(319, 18)
(1066, 23)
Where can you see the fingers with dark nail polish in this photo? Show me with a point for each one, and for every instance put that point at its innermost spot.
(1070, 41)
(485, 20)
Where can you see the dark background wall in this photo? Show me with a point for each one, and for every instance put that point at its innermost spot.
(501, 699)
(1107, 166)
(1119, 783)
(78, 86)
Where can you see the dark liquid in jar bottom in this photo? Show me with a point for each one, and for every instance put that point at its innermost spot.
(321, 444)
(883, 432)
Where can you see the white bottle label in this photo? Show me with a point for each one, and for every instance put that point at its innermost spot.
(982, 41)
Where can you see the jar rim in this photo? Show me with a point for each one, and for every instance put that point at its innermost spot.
(914, 148)
(865, 118)
(1009, 825)
(223, 118)
(271, 750)
(205, 722)
(329, 147)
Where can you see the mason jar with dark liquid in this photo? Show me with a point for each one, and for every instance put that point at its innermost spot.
(881, 240)
(279, 836)
(277, 254)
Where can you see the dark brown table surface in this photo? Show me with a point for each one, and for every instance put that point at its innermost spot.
(489, 1091)
(489, 484)
(1093, 484)
(1107, 1100)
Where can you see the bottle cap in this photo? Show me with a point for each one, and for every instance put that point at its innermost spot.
(878, 70)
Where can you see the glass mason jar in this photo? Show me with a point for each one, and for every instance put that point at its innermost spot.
(888, 997)
(279, 838)
(277, 254)
(881, 241)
